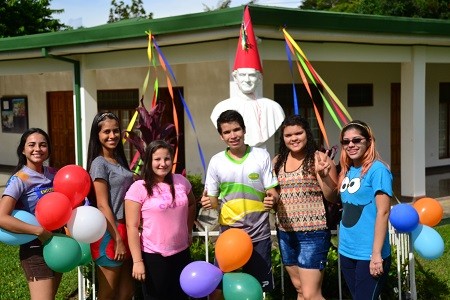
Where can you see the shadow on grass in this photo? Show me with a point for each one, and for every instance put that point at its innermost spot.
(430, 286)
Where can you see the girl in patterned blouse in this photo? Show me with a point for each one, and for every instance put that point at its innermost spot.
(306, 177)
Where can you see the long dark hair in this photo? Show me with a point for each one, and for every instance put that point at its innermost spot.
(22, 158)
(311, 147)
(95, 147)
(147, 173)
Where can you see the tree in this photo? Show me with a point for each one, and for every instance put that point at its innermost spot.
(24, 17)
(435, 9)
(223, 4)
(121, 11)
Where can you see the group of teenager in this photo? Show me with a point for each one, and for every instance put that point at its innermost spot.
(150, 216)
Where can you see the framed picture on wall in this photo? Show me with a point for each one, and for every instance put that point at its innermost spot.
(14, 110)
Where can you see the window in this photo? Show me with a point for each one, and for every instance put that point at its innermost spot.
(359, 94)
(284, 95)
(123, 104)
(444, 122)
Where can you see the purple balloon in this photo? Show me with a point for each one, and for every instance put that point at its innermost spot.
(200, 278)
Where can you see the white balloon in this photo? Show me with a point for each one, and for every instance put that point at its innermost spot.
(87, 224)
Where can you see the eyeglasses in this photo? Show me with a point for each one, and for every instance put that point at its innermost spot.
(355, 141)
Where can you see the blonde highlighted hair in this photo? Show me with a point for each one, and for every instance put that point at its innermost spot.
(369, 156)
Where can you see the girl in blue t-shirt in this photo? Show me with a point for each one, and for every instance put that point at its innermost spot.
(366, 189)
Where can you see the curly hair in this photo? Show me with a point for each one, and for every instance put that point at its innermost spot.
(283, 151)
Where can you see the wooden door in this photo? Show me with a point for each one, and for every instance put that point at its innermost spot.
(395, 135)
(61, 128)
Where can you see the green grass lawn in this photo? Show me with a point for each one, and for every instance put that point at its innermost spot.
(13, 284)
(432, 276)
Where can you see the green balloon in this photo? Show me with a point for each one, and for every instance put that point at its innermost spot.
(241, 286)
(62, 253)
(86, 256)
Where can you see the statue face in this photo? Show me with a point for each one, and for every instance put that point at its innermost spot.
(247, 79)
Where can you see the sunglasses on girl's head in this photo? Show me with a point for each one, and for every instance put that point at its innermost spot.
(353, 140)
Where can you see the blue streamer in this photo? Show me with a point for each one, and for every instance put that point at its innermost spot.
(186, 108)
(294, 92)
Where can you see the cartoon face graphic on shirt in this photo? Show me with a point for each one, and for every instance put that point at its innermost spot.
(352, 212)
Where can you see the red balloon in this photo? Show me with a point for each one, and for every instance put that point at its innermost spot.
(74, 182)
(53, 210)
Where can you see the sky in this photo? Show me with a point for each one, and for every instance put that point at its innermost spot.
(90, 13)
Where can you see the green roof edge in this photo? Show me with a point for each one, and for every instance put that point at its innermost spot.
(276, 17)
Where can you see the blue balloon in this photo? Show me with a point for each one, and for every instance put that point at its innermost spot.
(15, 239)
(404, 217)
(427, 242)
(200, 278)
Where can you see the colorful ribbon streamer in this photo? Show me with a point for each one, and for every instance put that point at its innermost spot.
(334, 106)
(153, 45)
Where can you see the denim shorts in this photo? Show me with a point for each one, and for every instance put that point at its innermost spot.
(306, 249)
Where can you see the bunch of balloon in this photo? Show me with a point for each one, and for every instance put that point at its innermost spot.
(427, 242)
(85, 224)
(418, 220)
(233, 250)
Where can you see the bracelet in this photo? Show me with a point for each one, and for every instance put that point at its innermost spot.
(138, 261)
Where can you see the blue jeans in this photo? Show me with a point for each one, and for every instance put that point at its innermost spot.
(306, 249)
(361, 284)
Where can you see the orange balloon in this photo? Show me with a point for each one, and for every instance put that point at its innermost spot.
(430, 211)
(233, 249)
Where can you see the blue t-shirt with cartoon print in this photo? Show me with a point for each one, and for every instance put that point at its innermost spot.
(357, 227)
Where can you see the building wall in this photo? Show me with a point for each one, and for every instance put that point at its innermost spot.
(35, 87)
(206, 81)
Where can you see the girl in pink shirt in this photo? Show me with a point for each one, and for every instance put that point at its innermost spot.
(165, 205)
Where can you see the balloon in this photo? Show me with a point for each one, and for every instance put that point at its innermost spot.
(53, 210)
(12, 238)
(404, 217)
(233, 249)
(430, 211)
(86, 224)
(62, 253)
(200, 278)
(74, 182)
(427, 242)
(241, 286)
(86, 256)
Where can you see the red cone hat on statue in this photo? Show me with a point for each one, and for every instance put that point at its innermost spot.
(247, 55)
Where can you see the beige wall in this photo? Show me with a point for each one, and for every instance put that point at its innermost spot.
(206, 81)
(35, 87)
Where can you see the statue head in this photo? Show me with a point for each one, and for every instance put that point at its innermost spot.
(247, 79)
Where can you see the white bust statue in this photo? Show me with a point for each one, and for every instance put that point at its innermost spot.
(262, 116)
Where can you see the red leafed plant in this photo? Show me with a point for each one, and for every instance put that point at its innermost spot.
(150, 125)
